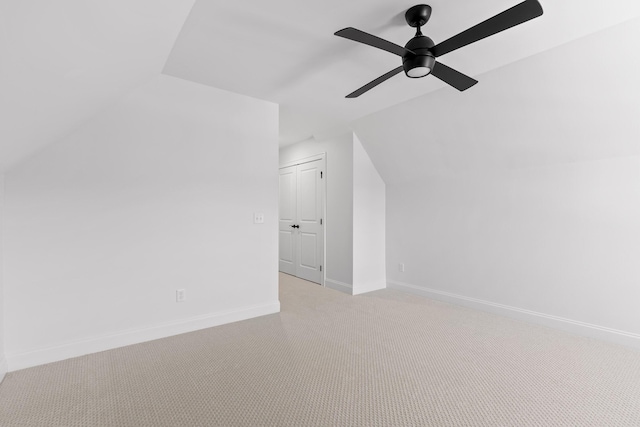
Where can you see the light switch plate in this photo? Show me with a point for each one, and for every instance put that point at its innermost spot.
(258, 218)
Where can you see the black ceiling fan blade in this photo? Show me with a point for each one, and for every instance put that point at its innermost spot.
(452, 77)
(374, 83)
(516, 15)
(366, 38)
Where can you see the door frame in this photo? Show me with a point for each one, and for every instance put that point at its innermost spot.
(323, 193)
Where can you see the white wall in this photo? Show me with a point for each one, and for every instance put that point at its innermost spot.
(339, 203)
(559, 241)
(155, 194)
(522, 195)
(3, 360)
(369, 263)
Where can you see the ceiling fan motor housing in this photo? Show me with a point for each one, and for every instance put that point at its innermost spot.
(423, 58)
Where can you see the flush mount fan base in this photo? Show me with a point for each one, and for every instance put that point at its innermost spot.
(418, 15)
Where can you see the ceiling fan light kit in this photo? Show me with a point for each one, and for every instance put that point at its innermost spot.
(420, 53)
(420, 60)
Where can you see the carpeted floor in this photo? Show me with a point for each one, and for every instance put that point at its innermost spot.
(328, 359)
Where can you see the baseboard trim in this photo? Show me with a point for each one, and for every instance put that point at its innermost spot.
(368, 287)
(336, 285)
(604, 333)
(135, 336)
(4, 368)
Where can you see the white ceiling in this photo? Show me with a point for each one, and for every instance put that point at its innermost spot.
(558, 107)
(63, 61)
(284, 51)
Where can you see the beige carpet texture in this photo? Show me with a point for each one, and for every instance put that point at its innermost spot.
(329, 359)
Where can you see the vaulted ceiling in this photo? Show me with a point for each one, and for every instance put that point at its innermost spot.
(558, 107)
(63, 62)
(285, 51)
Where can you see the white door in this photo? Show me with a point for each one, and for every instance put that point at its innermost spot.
(301, 236)
(287, 208)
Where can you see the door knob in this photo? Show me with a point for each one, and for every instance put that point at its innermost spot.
(295, 226)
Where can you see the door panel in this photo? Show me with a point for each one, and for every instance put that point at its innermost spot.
(308, 250)
(287, 250)
(301, 234)
(309, 200)
(287, 215)
(307, 192)
(287, 204)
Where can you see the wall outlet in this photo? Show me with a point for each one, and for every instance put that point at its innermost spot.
(258, 218)
(181, 295)
(401, 267)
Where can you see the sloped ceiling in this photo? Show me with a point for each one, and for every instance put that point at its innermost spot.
(574, 103)
(284, 51)
(62, 61)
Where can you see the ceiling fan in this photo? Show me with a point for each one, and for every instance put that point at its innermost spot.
(420, 53)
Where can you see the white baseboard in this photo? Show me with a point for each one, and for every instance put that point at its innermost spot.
(339, 286)
(604, 333)
(135, 336)
(4, 367)
(368, 287)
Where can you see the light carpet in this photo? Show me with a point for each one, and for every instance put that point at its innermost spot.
(329, 359)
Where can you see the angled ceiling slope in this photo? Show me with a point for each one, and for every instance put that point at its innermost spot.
(63, 61)
(550, 109)
(284, 51)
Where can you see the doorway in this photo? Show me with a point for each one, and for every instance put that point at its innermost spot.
(301, 219)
